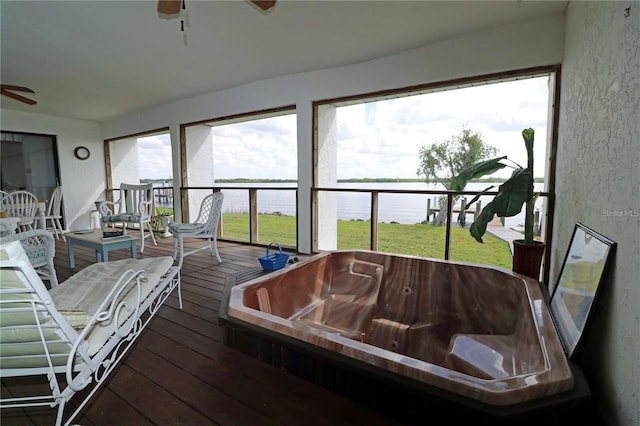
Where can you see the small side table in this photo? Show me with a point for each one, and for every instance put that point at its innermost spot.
(93, 240)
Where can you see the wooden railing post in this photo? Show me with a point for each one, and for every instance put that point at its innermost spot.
(253, 215)
(374, 221)
(447, 240)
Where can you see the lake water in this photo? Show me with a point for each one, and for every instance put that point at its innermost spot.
(401, 208)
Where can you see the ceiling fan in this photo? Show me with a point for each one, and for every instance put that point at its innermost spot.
(172, 7)
(8, 90)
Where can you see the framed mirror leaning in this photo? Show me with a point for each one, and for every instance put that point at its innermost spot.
(584, 269)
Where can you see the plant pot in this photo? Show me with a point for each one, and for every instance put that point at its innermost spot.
(527, 258)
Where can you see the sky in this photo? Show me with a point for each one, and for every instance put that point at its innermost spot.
(378, 140)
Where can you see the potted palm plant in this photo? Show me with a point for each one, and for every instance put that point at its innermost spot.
(512, 194)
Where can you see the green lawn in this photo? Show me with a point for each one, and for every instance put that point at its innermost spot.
(418, 240)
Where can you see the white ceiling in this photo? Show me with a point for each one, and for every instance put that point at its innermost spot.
(96, 60)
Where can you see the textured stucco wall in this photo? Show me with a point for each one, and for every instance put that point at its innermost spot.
(598, 184)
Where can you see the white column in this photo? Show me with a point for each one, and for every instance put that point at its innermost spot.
(199, 165)
(327, 177)
(174, 134)
(124, 162)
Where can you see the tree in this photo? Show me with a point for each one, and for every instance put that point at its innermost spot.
(441, 161)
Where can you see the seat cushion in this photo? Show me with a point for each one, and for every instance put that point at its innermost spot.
(124, 217)
(184, 228)
(13, 250)
(82, 294)
(23, 315)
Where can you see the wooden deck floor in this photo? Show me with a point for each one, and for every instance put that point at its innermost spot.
(181, 372)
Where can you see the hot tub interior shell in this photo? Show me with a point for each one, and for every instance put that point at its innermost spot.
(478, 332)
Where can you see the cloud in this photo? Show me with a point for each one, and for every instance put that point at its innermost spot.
(256, 149)
(383, 139)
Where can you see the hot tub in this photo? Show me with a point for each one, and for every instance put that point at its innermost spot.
(479, 332)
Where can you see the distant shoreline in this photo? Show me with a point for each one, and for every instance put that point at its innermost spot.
(349, 180)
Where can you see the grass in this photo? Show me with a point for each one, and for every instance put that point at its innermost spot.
(417, 240)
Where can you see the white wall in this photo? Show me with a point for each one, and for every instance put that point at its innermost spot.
(598, 175)
(83, 181)
(525, 44)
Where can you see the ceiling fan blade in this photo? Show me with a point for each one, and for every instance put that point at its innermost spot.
(15, 88)
(264, 4)
(169, 7)
(18, 97)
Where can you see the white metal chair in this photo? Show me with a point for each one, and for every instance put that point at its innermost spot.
(205, 227)
(53, 213)
(24, 205)
(40, 248)
(135, 205)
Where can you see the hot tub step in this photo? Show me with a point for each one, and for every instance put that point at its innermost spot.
(388, 334)
(483, 356)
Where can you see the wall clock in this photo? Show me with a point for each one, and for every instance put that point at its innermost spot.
(81, 152)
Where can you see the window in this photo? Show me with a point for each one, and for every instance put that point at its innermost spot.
(142, 158)
(29, 162)
(367, 152)
(253, 160)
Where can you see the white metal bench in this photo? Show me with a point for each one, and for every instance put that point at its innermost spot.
(75, 334)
